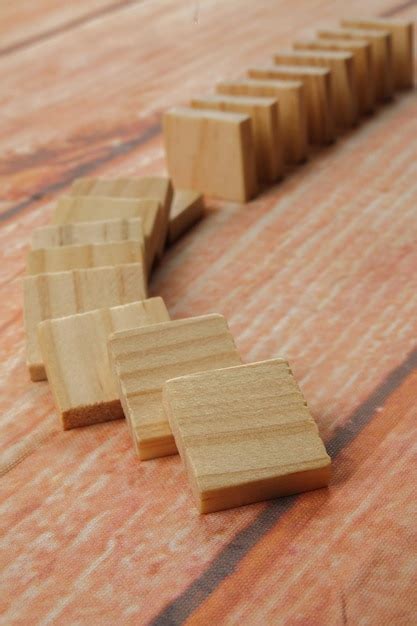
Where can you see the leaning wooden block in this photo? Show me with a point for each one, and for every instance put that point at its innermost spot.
(48, 296)
(143, 359)
(292, 119)
(187, 208)
(245, 434)
(74, 351)
(212, 152)
(266, 131)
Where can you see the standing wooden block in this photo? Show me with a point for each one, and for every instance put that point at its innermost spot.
(345, 99)
(317, 86)
(145, 358)
(48, 296)
(245, 434)
(266, 132)
(402, 45)
(187, 208)
(74, 351)
(291, 109)
(212, 152)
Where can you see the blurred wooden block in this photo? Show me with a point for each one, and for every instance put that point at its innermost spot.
(74, 350)
(245, 434)
(145, 358)
(211, 152)
(318, 96)
(266, 131)
(187, 208)
(344, 97)
(292, 117)
(48, 296)
(402, 45)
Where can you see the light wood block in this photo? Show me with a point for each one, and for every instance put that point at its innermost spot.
(345, 99)
(145, 358)
(292, 118)
(317, 85)
(245, 434)
(211, 152)
(402, 45)
(48, 296)
(266, 131)
(62, 258)
(187, 208)
(74, 351)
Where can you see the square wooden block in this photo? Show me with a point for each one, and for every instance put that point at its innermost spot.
(74, 350)
(187, 208)
(144, 358)
(245, 434)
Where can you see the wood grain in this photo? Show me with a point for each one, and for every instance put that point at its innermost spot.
(187, 208)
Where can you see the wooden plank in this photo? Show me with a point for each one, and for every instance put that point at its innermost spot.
(144, 358)
(245, 434)
(48, 296)
(74, 350)
(187, 208)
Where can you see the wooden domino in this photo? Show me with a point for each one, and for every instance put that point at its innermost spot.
(143, 359)
(74, 351)
(291, 110)
(245, 434)
(187, 208)
(48, 296)
(266, 131)
(211, 152)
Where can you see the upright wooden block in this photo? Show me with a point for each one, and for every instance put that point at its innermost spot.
(48, 296)
(187, 208)
(345, 99)
(212, 152)
(318, 95)
(145, 358)
(74, 351)
(266, 131)
(402, 45)
(245, 434)
(292, 110)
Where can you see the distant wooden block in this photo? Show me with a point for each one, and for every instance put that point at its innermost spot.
(345, 98)
(402, 45)
(245, 434)
(74, 351)
(318, 95)
(292, 114)
(145, 358)
(211, 152)
(266, 131)
(48, 296)
(187, 208)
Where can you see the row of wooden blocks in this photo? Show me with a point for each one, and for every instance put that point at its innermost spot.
(229, 144)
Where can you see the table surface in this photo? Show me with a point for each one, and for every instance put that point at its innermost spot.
(320, 268)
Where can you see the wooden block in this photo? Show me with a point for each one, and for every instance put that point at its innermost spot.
(187, 208)
(211, 152)
(345, 99)
(74, 351)
(48, 296)
(402, 45)
(266, 131)
(292, 110)
(145, 358)
(318, 96)
(62, 258)
(361, 66)
(245, 434)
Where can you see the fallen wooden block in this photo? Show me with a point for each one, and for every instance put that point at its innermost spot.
(266, 131)
(402, 45)
(318, 96)
(345, 98)
(48, 296)
(211, 152)
(144, 358)
(74, 350)
(187, 208)
(292, 117)
(245, 434)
